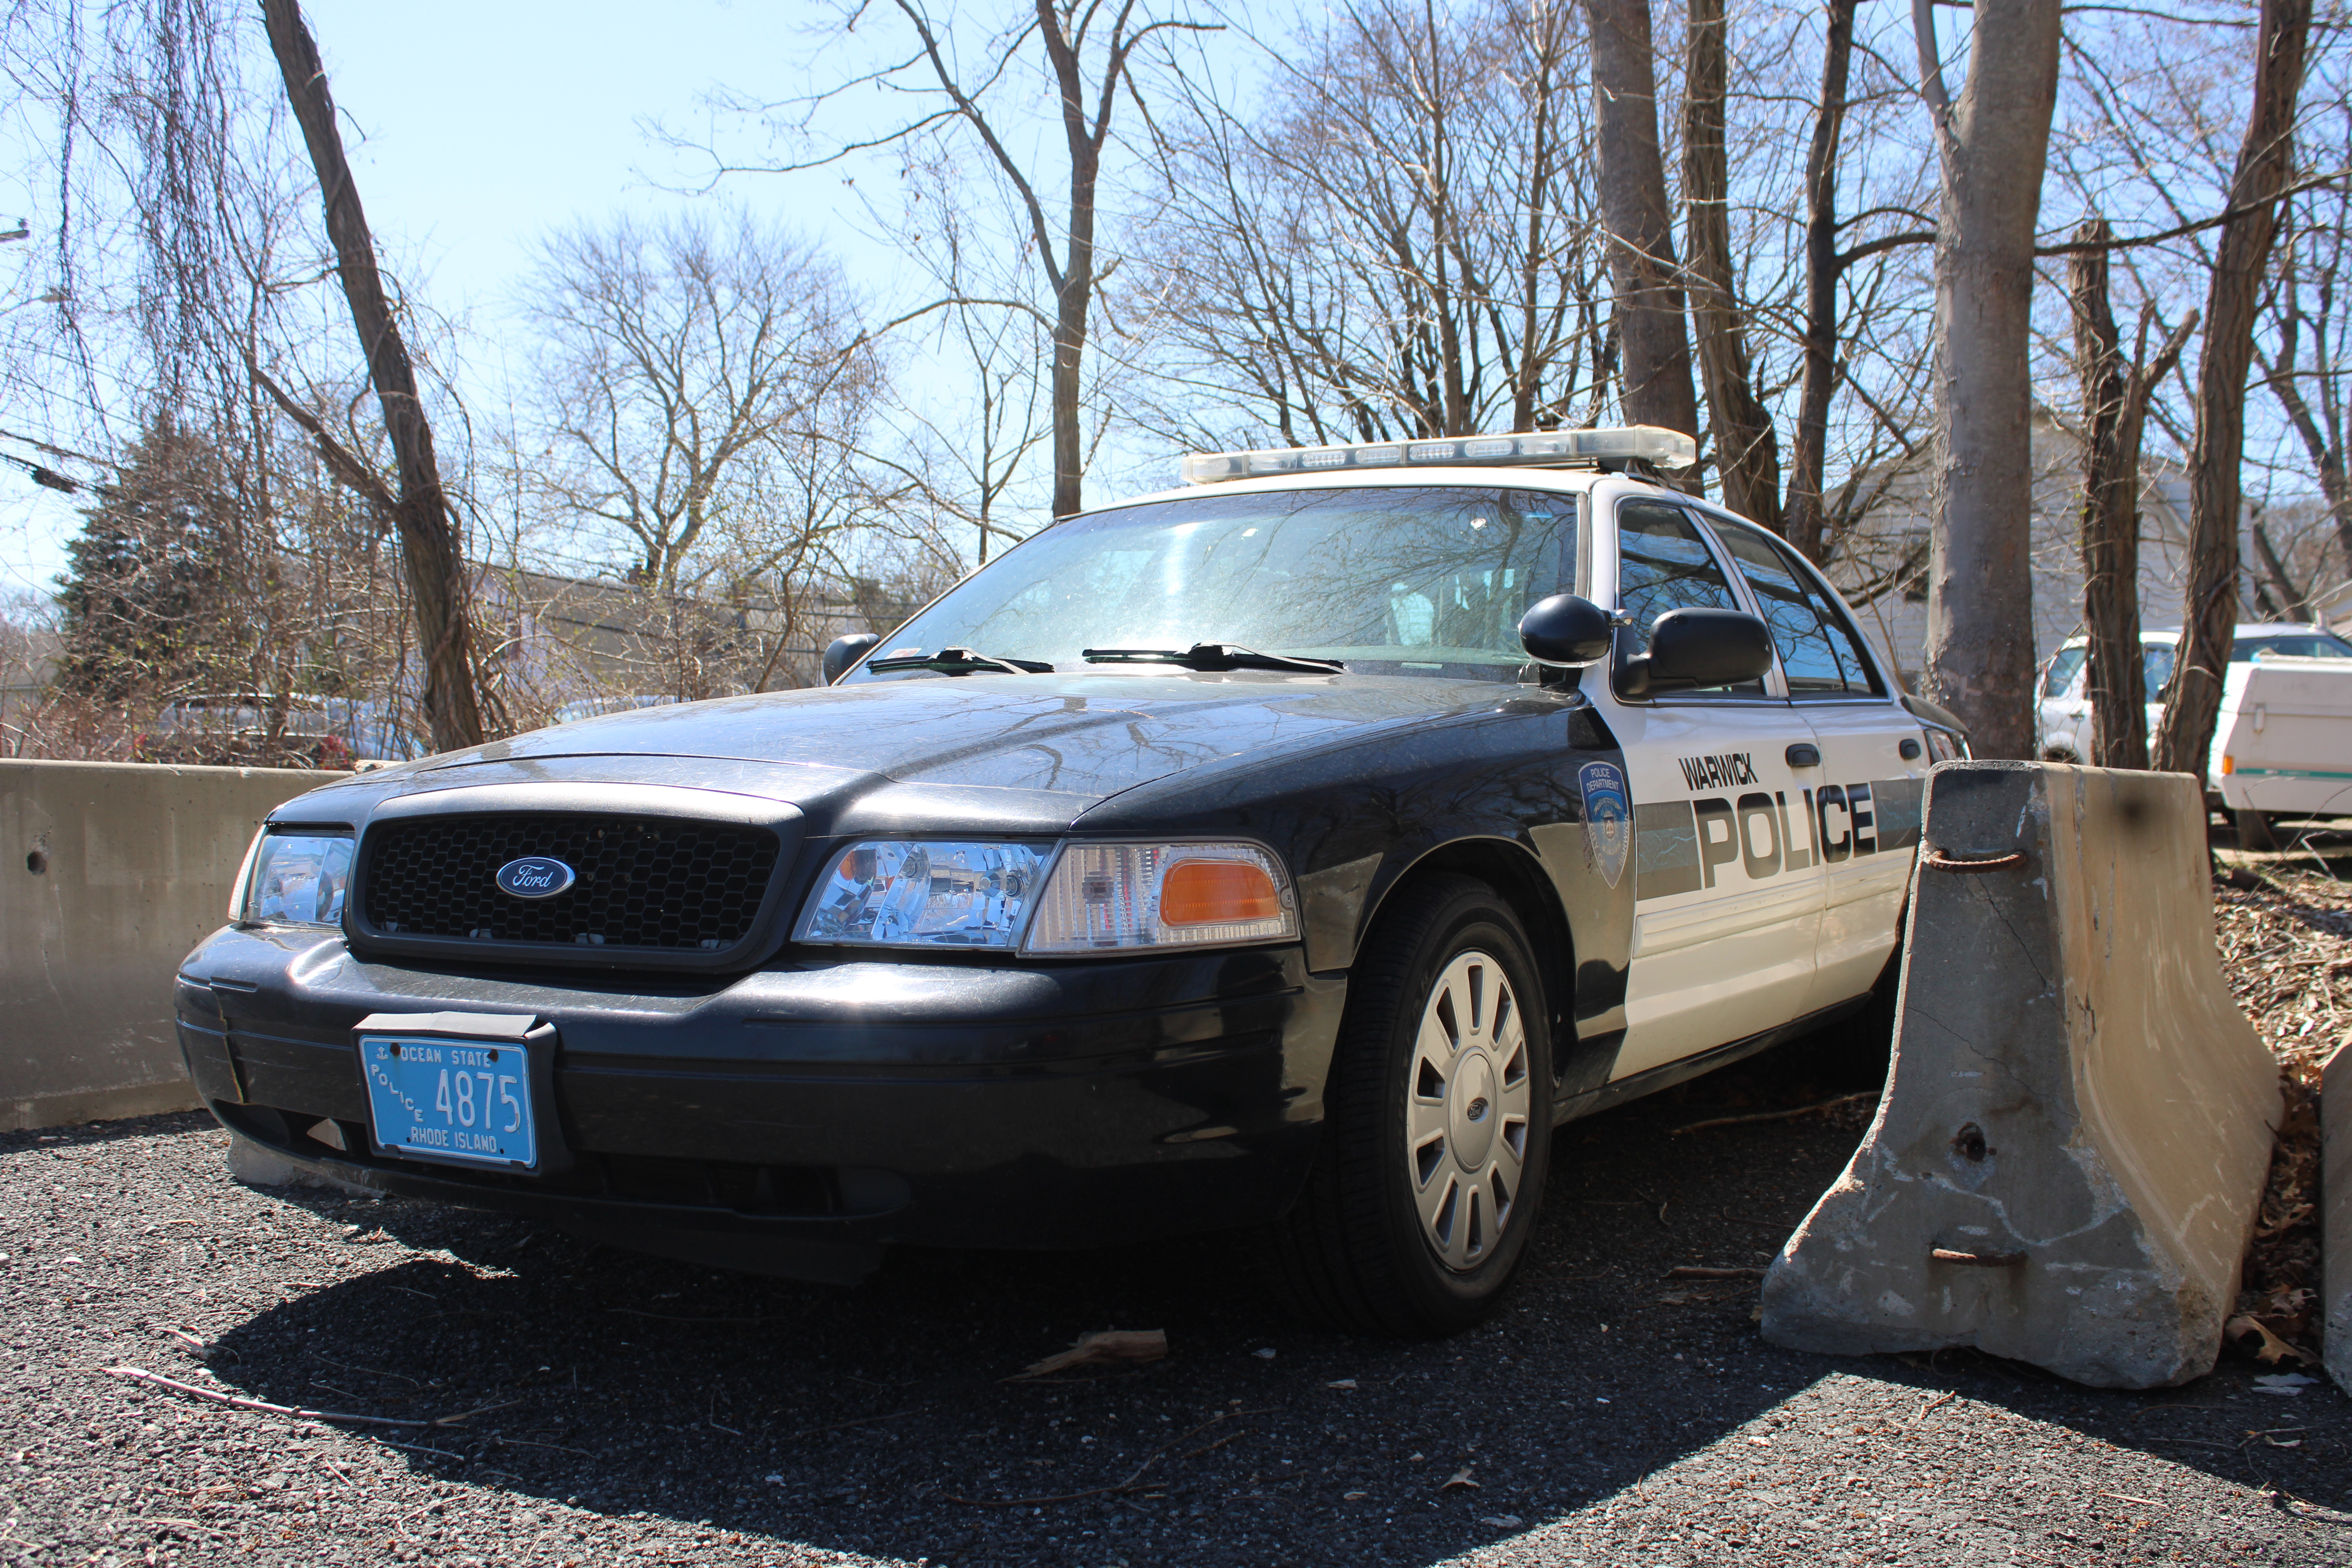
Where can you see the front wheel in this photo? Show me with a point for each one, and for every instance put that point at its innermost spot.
(1437, 1133)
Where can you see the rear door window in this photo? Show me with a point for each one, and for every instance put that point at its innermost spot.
(1818, 655)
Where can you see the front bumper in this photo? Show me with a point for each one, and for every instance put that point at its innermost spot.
(823, 1106)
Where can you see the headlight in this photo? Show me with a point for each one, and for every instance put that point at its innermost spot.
(295, 877)
(1098, 898)
(1107, 897)
(1942, 747)
(898, 892)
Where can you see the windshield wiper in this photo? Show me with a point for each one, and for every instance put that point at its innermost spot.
(1214, 655)
(959, 662)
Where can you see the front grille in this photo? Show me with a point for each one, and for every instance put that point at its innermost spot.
(643, 882)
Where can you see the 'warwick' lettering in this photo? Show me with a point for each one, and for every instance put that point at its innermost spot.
(1723, 771)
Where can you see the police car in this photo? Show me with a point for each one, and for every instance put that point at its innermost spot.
(1290, 851)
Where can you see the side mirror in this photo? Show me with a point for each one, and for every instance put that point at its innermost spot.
(1694, 647)
(843, 652)
(1565, 630)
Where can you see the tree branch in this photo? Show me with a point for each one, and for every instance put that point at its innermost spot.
(2081, 247)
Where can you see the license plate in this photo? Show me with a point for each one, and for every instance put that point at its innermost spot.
(451, 1099)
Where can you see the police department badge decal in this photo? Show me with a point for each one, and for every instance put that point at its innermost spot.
(1608, 818)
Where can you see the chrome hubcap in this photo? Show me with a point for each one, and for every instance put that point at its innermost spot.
(1466, 1114)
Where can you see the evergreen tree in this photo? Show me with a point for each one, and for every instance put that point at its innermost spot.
(143, 597)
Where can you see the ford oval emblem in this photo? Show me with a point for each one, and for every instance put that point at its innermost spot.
(535, 877)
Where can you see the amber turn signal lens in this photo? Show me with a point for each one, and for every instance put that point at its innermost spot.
(1216, 892)
(2229, 764)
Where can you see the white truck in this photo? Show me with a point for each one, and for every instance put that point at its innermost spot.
(2283, 744)
(2284, 752)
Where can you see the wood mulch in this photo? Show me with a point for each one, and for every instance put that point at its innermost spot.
(2283, 924)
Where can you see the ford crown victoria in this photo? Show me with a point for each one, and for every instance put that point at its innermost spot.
(1291, 851)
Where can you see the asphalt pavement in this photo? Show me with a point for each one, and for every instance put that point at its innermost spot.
(625, 1409)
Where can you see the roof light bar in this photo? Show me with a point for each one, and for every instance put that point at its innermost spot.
(1633, 443)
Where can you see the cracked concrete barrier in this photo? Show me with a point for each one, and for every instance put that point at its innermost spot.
(2077, 1126)
(2335, 1216)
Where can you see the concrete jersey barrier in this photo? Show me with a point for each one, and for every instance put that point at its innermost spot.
(2077, 1127)
(112, 872)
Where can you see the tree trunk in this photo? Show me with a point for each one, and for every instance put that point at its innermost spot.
(1805, 522)
(1075, 286)
(2293, 603)
(1991, 147)
(1063, 386)
(2232, 300)
(430, 553)
(1747, 449)
(1653, 347)
(2110, 520)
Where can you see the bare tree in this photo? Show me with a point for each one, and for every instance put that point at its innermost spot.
(420, 509)
(1992, 145)
(965, 437)
(1399, 243)
(1653, 345)
(2311, 340)
(1087, 49)
(1747, 449)
(2233, 301)
(686, 363)
(2114, 402)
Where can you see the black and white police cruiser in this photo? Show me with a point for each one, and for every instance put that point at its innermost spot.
(1290, 851)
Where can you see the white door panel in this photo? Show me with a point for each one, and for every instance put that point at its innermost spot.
(1728, 891)
(1663, 931)
(1698, 998)
(1867, 815)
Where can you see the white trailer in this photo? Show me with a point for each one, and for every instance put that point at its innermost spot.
(2283, 744)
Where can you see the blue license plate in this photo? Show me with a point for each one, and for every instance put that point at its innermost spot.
(451, 1099)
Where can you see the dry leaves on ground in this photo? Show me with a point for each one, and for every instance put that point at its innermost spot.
(2285, 941)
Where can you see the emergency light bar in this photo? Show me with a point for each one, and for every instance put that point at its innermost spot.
(1633, 443)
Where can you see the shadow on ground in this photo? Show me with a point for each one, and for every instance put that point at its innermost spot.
(877, 1420)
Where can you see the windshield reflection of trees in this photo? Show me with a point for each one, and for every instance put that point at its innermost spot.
(1432, 577)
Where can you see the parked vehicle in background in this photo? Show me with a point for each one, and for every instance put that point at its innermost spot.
(2064, 716)
(247, 730)
(374, 732)
(2284, 744)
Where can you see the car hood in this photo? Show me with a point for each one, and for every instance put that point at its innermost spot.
(1072, 739)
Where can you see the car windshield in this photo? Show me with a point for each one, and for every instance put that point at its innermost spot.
(1392, 581)
(2062, 668)
(2299, 645)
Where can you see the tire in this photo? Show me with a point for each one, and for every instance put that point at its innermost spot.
(2254, 829)
(1431, 1126)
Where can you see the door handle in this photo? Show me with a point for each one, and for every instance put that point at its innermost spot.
(1800, 755)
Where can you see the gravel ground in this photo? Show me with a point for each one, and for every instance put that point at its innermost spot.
(643, 1411)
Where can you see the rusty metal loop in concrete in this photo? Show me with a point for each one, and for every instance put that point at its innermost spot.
(1936, 860)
